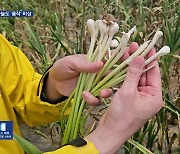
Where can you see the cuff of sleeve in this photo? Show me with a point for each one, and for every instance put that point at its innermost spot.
(40, 92)
(40, 85)
(83, 146)
(88, 148)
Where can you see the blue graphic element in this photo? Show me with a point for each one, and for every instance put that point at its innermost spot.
(6, 130)
(18, 13)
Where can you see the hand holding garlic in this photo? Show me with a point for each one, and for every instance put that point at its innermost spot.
(102, 41)
(132, 105)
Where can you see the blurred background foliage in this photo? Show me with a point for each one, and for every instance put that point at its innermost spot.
(58, 29)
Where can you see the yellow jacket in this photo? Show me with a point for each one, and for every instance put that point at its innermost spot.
(18, 92)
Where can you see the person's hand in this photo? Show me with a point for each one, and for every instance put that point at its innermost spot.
(139, 98)
(64, 74)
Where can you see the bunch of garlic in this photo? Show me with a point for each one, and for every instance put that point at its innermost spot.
(102, 42)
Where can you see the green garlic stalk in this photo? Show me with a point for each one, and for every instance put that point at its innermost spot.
(102, 42)
(163, 51)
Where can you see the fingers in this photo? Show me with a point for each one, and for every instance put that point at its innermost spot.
(142, 81)
(153, 75)
(147, 90)
(129, 51)
(78, 63)
(105, 93)
(134, 73)
(92, 100)
(133, 47)
(125, 55)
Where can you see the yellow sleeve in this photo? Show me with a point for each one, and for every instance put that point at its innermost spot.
(21, 84)
(89, 148)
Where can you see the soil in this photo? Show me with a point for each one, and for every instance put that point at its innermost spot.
(43, 138)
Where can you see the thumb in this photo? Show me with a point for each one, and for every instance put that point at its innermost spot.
(134, 73)
(88, 67)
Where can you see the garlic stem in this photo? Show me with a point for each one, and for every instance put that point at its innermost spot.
(121, 47)
(109, 53)
(113, 29)
(75, 124)
(157, 35)
(122, 65)
(97, 48)
(99, 53)
(78, 119)
(117, 79)
(138, 52)
(132, 30)
(105, 40)
(92, 26)
(78, 99)
(71, 116)
(124, 42)
(109, 84)
(150, 67)
(163, 51)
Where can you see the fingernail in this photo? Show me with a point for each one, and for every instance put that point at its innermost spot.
(85, 93)
(100, 63)
(138, 61)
